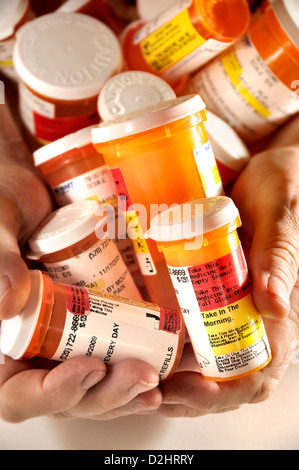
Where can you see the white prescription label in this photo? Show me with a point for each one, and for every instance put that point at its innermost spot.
(208, 170)
(240, 88)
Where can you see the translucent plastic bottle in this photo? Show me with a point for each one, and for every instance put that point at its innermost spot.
(159, 156)
(73, 245)
(209, 273)
(254, 85)
(75, 171)
(61, 321)
(185, 36)
(63, 60)
(13, 14)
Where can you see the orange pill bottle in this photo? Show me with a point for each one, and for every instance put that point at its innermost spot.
(75, 171)
(185, 36)
(159, 156)
(13, 14)
(72, 244)
(209, 273)
(61, 321)
(254, 85)
(63, 61)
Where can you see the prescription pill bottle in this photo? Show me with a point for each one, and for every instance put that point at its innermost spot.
(13, 14)
(100, 9)
(130, 91)
(61, 321)
(185, 36)
(159, 156)
(209, 273)
(254, 85)
(73, 246)
(230, 151)
(75, 171)
(63, 60)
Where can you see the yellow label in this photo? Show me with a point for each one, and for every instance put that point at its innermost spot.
(112, 201)
(135, 233)
(6, 63)
(215, 176)
(233, 327)
(234, 70)
(171, 42)
(98, 284)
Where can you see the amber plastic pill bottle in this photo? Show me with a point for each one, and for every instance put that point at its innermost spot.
(63, 61)
(60, 321)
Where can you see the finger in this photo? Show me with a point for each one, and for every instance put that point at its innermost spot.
(39, 392)
(125, 381)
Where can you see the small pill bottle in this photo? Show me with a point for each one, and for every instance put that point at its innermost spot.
(254, 85)
(230, 151)
(102, 10)
(75, 171)
(13, 14)
(74, 247)
(159, 156)
(61, 321)
(63, 60)
(185, 36)
(209, 273)
(130, 91)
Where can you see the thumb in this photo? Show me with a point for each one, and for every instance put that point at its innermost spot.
(274, 260)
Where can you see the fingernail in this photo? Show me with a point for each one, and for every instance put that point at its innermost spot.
(141, 387)
(5, 288)
(92, 379)
(278, 288)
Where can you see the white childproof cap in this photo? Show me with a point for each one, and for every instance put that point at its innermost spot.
(130, 91)
(287, 13)
(66, 56)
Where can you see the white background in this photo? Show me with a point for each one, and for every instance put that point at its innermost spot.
(272, 425)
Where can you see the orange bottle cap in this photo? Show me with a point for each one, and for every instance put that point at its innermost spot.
(11, 12)
(130, 91)
(66, 56)
(148, 118)
(72, 141)
(65, 227)
(17, 332)
(287, 13)
(192, 219)
(227, 146)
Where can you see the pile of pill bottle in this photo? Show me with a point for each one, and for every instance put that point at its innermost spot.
(254, 85)
(63, 60)
(129, 91)
(209, 273)
(75, 172)
(159, 156)
(61, 321)
(72, 244)
(100, 9)
(185, 36)
(13, 14)
(230, 151)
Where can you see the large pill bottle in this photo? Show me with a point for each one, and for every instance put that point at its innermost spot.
(209, 273)
(185, 36)
(159, 156)
(61, 321)
(254, 85)
(13, 14)
(63, 60)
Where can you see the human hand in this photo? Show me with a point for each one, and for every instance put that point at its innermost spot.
(266, 194)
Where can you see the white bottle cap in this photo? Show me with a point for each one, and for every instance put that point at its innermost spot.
(66, 56)
(147, 10)
(227, 146)
(17, 332)
(148, 118)
(76, 140)
(11, 12)
(65, 227)
(287, 13)
(186, 221)
(129, 91)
